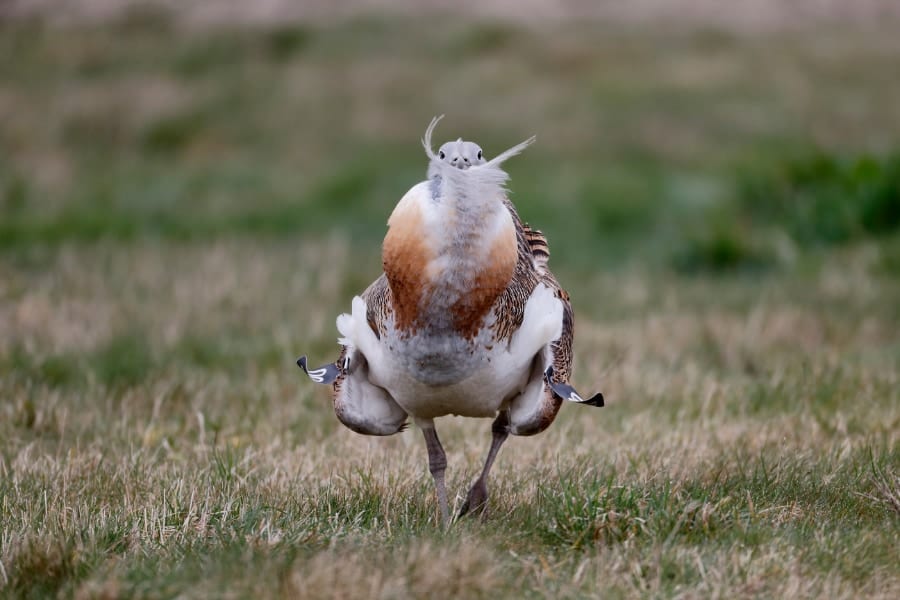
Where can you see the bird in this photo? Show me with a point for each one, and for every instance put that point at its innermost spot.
(466, 319)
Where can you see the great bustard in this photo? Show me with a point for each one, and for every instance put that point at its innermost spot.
(466, 319)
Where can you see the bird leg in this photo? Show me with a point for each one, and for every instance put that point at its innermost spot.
(437, 464)
(477, 497)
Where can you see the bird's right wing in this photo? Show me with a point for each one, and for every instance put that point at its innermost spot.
(378, 304)
(540, 249)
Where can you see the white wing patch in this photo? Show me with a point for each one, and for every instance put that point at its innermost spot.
(318, 375)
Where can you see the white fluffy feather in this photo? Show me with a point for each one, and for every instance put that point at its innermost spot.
(476, 183)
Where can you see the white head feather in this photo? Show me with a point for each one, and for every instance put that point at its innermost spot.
(463, 163)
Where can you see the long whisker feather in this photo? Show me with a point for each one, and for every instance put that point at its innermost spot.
(498, 160)
(426, 141)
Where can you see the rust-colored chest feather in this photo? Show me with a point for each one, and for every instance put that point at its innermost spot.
(405, 257)
(446, 275)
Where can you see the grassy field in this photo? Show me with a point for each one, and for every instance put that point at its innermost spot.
(183, 211)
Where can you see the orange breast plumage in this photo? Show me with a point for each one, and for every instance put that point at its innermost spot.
(405, 257)
(447, 265)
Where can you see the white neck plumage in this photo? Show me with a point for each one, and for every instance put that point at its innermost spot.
(475, 190)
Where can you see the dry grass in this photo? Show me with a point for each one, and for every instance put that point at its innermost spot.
(749, 450)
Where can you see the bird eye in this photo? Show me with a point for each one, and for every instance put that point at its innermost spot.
(442, 155)
(480, 155)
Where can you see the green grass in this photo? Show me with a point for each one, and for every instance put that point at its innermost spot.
(244, 132)
(821, 199)
(185, 211)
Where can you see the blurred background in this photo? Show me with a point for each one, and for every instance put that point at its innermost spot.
(681, 134)
(202, 186)
(190, 192)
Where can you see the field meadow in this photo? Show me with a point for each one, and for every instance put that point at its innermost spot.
(185, 209)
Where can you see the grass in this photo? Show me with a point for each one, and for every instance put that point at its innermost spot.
(184, 211)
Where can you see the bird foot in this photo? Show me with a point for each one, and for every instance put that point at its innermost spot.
(476, 501)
